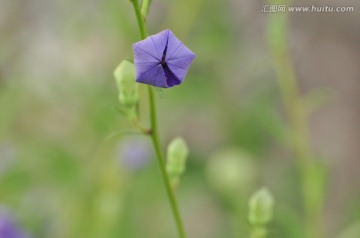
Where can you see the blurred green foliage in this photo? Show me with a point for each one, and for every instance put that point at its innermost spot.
(58, 117)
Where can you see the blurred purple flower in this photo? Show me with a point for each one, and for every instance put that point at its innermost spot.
(9, 228)
(134, 153)
(162, 60)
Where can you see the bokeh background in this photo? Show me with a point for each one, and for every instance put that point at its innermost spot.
(68, 169)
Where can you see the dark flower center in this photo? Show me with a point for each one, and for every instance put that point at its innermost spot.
(171, 78)
(163, 62)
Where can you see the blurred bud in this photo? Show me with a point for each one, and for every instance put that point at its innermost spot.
(125, 80)
(261, 207)
(8, 227)
(177, 153)
(230, 171)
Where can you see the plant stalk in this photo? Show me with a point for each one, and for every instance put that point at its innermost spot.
(161, 161)
(309, 171)
(154, 133)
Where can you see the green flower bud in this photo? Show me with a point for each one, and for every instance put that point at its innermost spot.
(261, 207)
(125, 79)
(231, 171)
(177, 153)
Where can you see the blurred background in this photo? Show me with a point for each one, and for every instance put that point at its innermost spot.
(67, 170)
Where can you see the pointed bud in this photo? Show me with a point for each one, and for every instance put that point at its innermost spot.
(125, 79)
(177, 153)
(261, 207)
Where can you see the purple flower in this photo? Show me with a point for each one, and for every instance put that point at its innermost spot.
(8, 227)
(134, 153)
(161, 60)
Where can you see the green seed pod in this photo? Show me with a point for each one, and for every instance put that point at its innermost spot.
(125, 79)
(261, 207)
(177, 153)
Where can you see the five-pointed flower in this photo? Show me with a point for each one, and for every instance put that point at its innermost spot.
(161, 60)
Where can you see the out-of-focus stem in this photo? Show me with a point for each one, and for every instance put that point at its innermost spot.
(154, 133)
(300, 139)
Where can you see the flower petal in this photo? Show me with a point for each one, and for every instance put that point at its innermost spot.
(179, 72)
(183, 63)
(159, 42)
(144, 67)
(176, 49)
(145, 51)
(155, 76)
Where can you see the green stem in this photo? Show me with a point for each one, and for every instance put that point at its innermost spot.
(161, 161)
(312, 187)
(140, 19)
(154, 133)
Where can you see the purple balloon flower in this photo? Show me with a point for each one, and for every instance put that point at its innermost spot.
(161, 60)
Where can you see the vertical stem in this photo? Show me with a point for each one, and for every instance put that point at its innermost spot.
(140, 19)
(161, 161)
(154, 133)
(310, 174)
